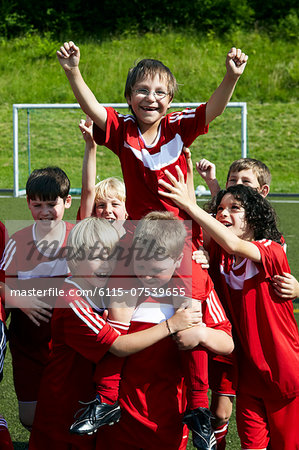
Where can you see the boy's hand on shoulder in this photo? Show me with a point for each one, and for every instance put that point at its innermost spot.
(286, 286)
(68, 56)
(201, 256)
(236, 61)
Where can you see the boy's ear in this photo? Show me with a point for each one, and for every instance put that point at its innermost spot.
(169, 103)
(265, 189)
(179, 260)
(128, 100)
(68, 202)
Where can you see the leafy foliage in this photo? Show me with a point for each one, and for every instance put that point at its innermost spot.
(100, 19)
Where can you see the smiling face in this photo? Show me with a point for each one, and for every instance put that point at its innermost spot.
(231, 213)
(249, 178)
(110, 208)
(95, 269)
(48, 210)
(149, 109)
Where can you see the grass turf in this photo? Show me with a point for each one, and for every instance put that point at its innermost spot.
(12, 208)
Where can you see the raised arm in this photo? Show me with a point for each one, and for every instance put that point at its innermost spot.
(190, 179)
(223, 236)
(88, 169)
(69, 57)
(235, 64)
(207, 171)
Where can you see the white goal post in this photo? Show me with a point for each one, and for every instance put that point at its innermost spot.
(31, 106)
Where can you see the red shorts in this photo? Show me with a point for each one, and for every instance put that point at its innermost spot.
(130, 434)
(39, 440)
(27, 374)
(261, 421)
(222, 377)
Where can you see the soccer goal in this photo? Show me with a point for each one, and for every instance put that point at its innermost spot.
(42, 128)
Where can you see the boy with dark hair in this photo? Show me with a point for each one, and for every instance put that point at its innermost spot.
(148, 142)
(254, 173)
(222, 373)
(48, 184)
(35, 266)
(246, 252)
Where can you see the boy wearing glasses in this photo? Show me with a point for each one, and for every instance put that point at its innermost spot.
(147, 143)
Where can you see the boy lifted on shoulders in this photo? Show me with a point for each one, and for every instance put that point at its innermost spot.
(148, 142)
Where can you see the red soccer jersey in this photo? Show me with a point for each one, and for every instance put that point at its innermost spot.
(143, 165)
(152, 392)
(80, 338)
(28, 268)
(3, 240)
(265, 330)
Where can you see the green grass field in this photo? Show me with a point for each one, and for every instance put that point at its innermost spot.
(269, 86)
(16, 209)
(288, 213)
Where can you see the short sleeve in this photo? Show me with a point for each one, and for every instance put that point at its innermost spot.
(273, 257)
(86, 331)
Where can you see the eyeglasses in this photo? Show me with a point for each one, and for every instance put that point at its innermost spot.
(145, 93)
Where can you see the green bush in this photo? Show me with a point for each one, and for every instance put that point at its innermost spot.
(99, 19)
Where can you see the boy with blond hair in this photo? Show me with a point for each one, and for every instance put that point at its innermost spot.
(81, 337)
(152, 394)
(107, 198)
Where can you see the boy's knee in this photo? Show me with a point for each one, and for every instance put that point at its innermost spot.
(26, 414)
(222, 410)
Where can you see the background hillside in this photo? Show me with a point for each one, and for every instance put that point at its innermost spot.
(30, 73)
(192, 38)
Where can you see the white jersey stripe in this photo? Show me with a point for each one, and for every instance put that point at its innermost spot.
(118, 325)
(126, 117)
(9, 252)
(87, 307)
(213, 310)
(217, 306)
(182, 116)
(2, 345)
(168, 154)
(3, 423)
(80, 313)
(95, 317)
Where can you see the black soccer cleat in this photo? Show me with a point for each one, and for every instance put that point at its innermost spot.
(96, 415)
(199, 422)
